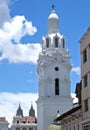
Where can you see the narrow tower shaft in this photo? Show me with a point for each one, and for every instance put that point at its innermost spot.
(53, 21)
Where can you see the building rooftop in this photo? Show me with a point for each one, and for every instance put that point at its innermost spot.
(3, 119)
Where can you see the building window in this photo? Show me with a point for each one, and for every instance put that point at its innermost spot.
(56, 68)
(24, 128)
(56, 42)
(86, 105)
(78, 127)
(85, 81)
(86, 128)
(56, 86)
(17, 121)
(18, 128)
(84, 56)
(63, 43)
(47, 42)
(30, 128)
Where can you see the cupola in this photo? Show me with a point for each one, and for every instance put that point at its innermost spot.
(53, 22)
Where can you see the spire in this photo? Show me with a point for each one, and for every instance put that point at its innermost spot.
(32, 111)
(53, 22)
(19, 111)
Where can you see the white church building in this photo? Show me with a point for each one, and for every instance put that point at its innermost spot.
(54, 75)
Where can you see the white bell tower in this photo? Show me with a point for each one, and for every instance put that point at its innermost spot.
(54, 75)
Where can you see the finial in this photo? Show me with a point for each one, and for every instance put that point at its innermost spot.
(53, 6)
(19, 104)
(58, 111)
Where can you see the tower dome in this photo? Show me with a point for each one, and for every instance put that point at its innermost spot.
(53, 22)
(54, 127)
(53, 15)
(19, 111)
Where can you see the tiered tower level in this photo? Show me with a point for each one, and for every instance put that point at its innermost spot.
(54, 75)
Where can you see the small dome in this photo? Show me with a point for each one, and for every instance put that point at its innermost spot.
(54, 127)
(53, 15)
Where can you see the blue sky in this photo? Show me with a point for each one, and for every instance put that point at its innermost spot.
(20, 76)
(22, 25)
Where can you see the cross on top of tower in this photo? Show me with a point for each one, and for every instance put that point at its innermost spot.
(53, 6)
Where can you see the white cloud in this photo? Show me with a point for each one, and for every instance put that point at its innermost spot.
(75, 99)
(16, 28)
(76, 70)
(9, 103)
(12, 30)
(10, 37)
(4, 11)
(18, 53)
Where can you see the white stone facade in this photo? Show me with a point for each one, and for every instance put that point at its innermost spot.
(54, 75)
(23, 123)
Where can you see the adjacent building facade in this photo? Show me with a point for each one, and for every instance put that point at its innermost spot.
(3, 123)
(54, 75)
(78, 118)
(85, 76)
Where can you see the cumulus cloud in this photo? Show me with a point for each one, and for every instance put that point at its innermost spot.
(11, 33)
(21, 53)
(8, 105)
(76, 70)
(4, 11)
(75, 99)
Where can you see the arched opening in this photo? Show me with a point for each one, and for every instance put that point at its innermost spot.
(56, 86)
(63, 43)
(56, 68)
(47, 42)
(56, 42)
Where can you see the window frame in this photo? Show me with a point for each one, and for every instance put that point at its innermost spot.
(86, 127)
(56, 86)
(84, 55)
(85, 105)
(17, 128)
(56, 42)
(63, 43)
(85, 80)
(47, 42)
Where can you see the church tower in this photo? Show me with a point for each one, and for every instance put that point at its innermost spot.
(54, 75)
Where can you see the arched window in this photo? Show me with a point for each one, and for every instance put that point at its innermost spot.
(63, 43)
(56, 86)
(47, 42)
(56, 42)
